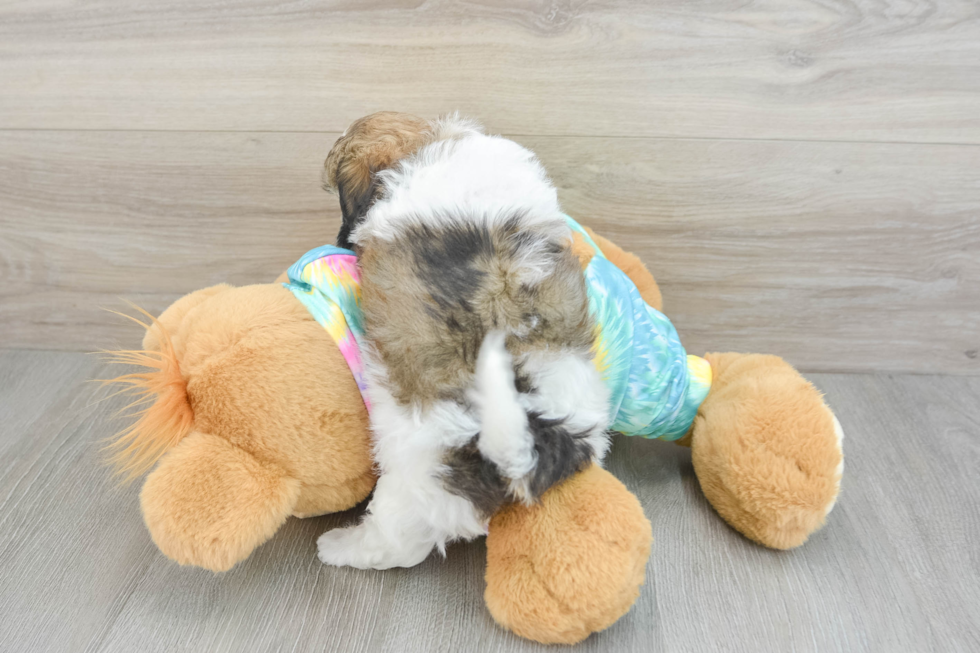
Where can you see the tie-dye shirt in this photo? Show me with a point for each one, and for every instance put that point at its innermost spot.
(655, 387)
(328, 282)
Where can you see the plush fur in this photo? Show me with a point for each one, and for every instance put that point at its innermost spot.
(277, 426)
(163, 423)
(760, 449)
(478, 349)
(229, 502)
(529, 588)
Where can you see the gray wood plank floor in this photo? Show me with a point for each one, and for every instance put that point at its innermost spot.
(895, 569)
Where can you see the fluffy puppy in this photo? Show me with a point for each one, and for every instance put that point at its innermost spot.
(478, 336)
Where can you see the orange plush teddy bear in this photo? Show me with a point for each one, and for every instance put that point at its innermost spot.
(256, 417)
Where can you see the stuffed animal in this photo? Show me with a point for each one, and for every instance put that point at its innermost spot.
(255, 416)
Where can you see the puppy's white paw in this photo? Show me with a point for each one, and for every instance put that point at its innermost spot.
(340, 548)
(365, 547)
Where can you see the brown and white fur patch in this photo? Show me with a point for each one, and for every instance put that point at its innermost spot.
(479, 341)
(370, 145)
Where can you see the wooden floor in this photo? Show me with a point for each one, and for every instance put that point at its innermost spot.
(895, 569)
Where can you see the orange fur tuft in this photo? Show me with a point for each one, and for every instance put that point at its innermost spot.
(166, 421)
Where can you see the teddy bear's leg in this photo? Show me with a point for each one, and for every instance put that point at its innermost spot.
(570, 565)
(766, 449)
(209, 503)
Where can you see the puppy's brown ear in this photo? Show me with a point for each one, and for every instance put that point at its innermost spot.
(370, 145)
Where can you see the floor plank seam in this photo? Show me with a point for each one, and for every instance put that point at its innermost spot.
(509, 134)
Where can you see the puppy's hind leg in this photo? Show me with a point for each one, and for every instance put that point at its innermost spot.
(406, 519)
(390, 535)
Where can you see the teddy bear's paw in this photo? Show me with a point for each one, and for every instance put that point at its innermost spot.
(767, 450)
(365, 547)
(570, 565)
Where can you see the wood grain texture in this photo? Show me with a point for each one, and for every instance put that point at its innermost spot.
(894, 570)
(887, 70)
(837, 256)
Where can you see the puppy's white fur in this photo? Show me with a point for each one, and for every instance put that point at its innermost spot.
(465, 174)
(410, 511)
(570, 388)
(501, 413)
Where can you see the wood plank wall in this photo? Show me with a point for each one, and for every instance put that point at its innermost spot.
(803, 177)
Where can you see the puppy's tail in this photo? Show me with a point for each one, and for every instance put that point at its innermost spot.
(505, 438)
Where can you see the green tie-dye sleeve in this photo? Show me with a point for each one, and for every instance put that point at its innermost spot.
(655, 387)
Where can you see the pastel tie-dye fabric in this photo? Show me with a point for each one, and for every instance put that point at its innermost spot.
(656, 387)
(328, 282)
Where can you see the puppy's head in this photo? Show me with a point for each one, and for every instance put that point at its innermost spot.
(370, 145)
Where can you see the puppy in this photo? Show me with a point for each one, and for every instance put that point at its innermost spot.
(478, 336)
